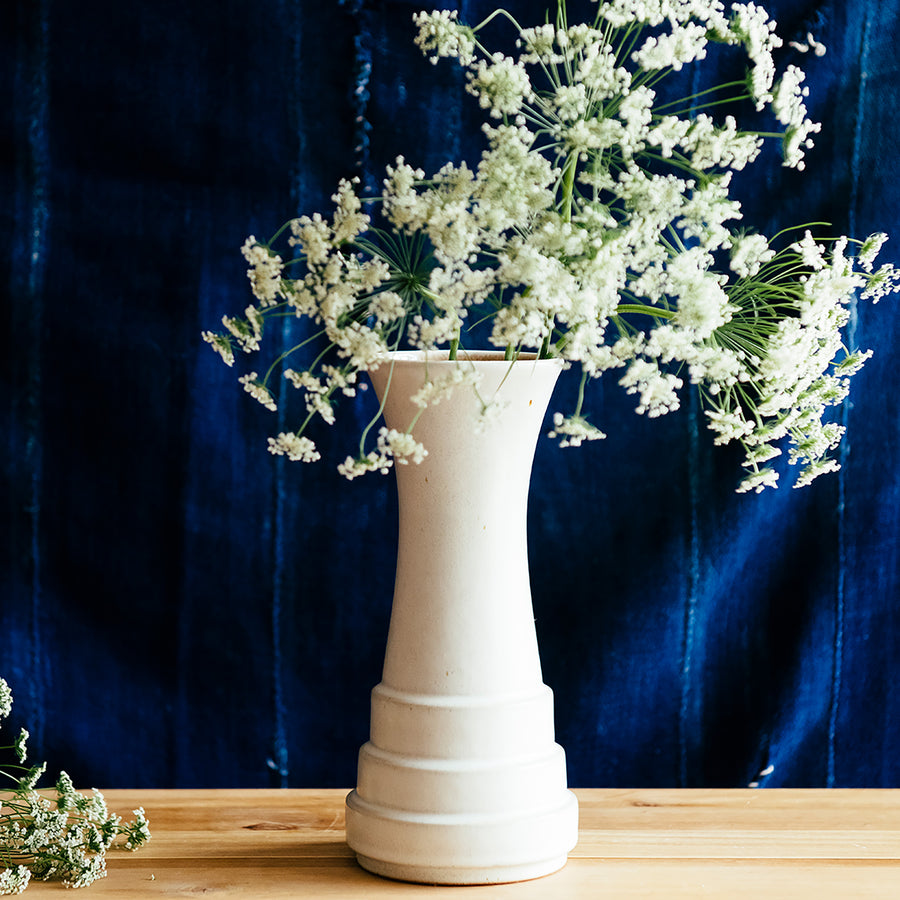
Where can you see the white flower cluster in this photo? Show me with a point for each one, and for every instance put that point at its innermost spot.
(61, 835)
(440, 33)
(798, 367)
(436, 389)
(317, 393)
(257, 390)
(393, 447)
(657, 390)
(14, 880)
(264, 273)
(574, 430)
(501, 85)
(684, 44)
(294, 447)
(247, 331)
(598, 227)
(6, 698)
(790, 110)
(221, 344)
(749, 253)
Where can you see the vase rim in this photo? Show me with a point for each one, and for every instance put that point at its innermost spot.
(463, 356)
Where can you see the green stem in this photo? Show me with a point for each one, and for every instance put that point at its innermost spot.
(722, 102)
(377, 416)
(806, 225)
(568, 186)
(268, 244)
(287, 353)
(493, 15)
(581, 385)
(718, 87)
(644, 310)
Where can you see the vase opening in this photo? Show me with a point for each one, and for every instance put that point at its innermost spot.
(463, 356)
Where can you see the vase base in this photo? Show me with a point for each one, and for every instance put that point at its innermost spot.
(462, 848)
(460, 875)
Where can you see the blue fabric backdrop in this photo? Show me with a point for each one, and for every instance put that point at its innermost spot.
(179, 608)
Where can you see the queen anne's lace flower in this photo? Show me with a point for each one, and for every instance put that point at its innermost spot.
(758, 480)
(711, 145)
(728, 426)
(441, 33)
(682, 45)
(574, 430)
(657, 390)
(434, 390)
(264, 273)
(221, 344)
(400, 446)
(814, 469)
(869, 249)
(61, 834)
(600, 73)
(751, 25)
(749, 253)
(597, 226)
(257, 390)
(500, 84)
(881, 283)
(14, 880)
(297, 448)
(6, 698)
(392, 447)
(812, 254)
(539, 45)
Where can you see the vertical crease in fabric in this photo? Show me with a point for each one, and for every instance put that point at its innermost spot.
(844, 453)
(693, 575)
(362, 73)
(280, 760)
(32, 178)
(690, 606)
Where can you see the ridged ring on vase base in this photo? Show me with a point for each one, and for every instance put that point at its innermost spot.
(475, 787)
(461, 876)
(490, 726)
(460, 849)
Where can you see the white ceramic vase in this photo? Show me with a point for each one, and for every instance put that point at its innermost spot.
(462, 781)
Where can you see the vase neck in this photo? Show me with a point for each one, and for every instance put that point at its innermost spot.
(462, 587)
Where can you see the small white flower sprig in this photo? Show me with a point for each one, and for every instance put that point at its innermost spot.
(597, 227)
(64, 836)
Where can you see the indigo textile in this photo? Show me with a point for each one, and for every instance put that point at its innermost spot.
(178, 608)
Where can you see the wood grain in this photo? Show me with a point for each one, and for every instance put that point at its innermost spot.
(633, 843)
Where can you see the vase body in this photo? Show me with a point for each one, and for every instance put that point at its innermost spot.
(462, 781)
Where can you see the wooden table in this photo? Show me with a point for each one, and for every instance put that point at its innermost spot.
(759, 844)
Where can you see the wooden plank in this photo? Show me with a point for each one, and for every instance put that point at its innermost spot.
(666, 879)
(666, 843)
(777, 824)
